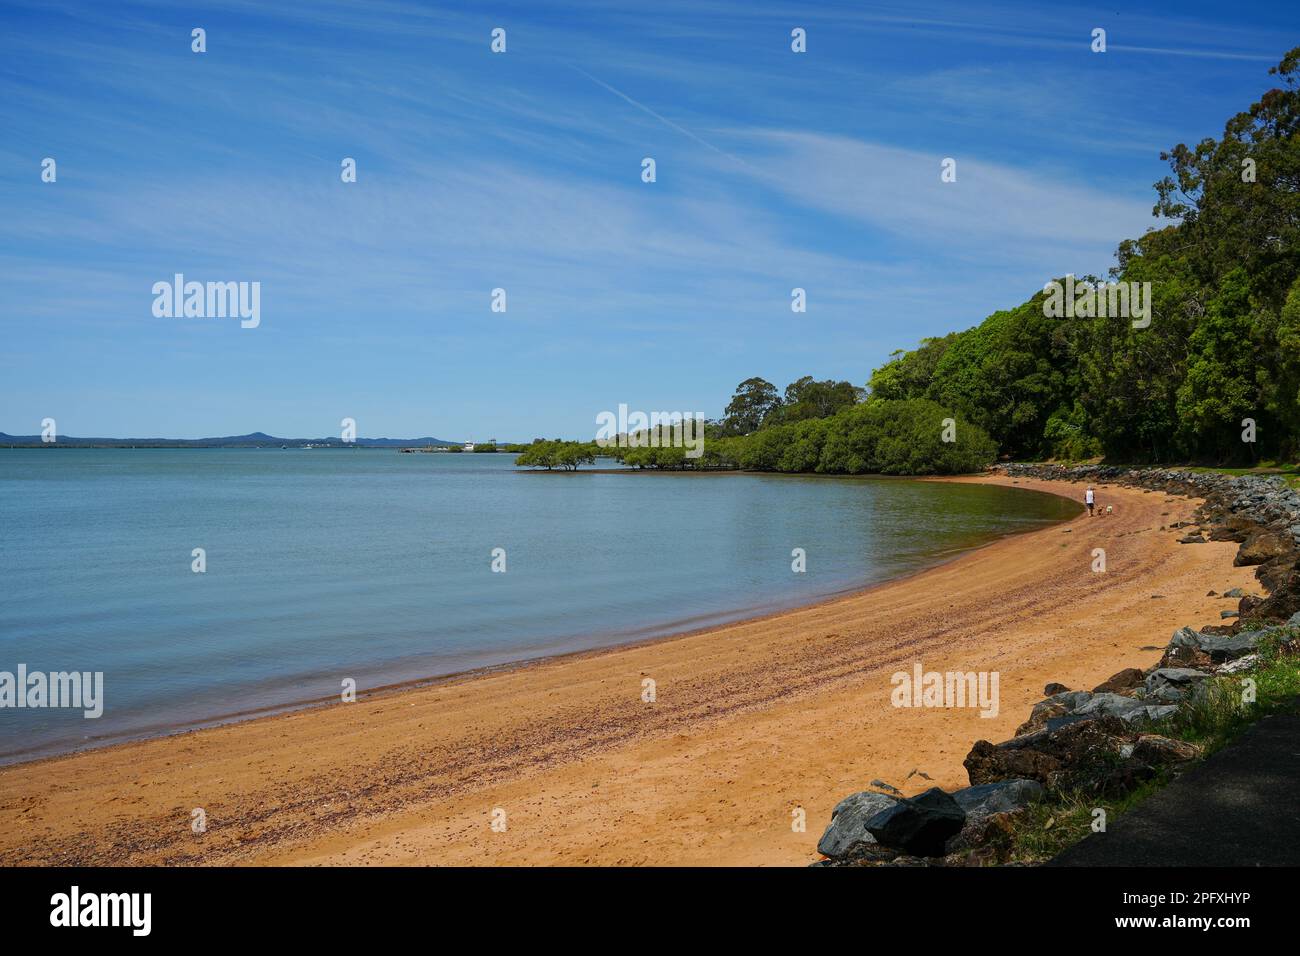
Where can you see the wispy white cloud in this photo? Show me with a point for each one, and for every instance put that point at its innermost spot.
(522, 171)
(992, 211)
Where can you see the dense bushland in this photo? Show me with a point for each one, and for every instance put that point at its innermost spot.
(1223, 344)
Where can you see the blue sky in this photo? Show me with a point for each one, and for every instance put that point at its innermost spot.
(522, 171)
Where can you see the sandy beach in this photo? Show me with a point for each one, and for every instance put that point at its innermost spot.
(752, 723)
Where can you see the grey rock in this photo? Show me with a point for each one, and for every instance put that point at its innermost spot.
(847, 829)
(920, 825)
(1069, 699)
(998, 797)
(1181, 676)
(1114, 705)
(1218, 646)
(1227, 646)
(1057, 705)
(1127, 709)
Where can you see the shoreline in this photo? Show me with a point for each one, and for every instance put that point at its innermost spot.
(668, 631)
(712, 679)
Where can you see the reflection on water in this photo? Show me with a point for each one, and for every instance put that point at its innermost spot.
(374, 565)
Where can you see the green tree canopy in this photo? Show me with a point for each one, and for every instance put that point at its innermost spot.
(754, 400)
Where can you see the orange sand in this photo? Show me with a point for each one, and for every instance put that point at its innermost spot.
(752, 722)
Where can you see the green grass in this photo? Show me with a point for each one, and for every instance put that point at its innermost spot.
(1218, 711)
(1047, 828)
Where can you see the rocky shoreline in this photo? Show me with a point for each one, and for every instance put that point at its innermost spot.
(1106, 742)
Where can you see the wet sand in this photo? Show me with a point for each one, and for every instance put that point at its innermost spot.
(753, 723)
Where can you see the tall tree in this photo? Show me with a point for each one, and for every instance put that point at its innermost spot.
(753, 402)
(808, 398)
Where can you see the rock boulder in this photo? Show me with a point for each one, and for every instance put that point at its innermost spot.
(847, 832)
(1260, 547)
(920, 825)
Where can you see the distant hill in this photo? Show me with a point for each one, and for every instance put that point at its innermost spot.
(253, 440)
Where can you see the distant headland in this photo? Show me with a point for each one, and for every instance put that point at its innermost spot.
(253, 440)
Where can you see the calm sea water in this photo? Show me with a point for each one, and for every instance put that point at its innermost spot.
(375, 565)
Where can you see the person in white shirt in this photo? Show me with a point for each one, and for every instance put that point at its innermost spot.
(1090, 500)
